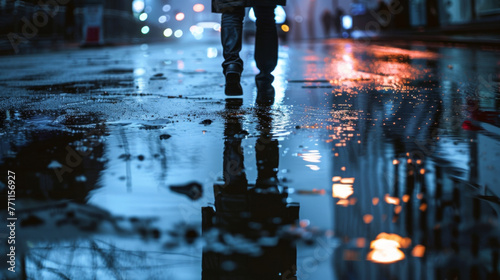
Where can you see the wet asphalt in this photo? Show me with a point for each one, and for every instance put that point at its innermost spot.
(118, 150)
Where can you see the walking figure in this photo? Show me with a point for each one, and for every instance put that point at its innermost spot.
(266, 43)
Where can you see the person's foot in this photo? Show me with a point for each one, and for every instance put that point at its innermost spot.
(265, 93)
(233, 86)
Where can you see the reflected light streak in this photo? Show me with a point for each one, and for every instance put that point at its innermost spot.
(336, 178)
(280, 77)
(343, 202)
(312, 156)
(347, 180)
(342, 191)
(391, 200)
(313, 167)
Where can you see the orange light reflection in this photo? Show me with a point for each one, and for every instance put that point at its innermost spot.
(385, 248)
(391, 200)
(418, 251)
(342, 191)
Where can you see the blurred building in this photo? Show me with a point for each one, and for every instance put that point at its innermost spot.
(28, 24)
(446, 15)
(308, 18)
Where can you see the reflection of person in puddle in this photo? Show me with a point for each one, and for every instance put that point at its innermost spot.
(250, 214)
(266, 43)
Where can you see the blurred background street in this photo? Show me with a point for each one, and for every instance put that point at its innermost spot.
(379, 155)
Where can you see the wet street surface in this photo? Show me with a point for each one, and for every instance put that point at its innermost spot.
(374, 162)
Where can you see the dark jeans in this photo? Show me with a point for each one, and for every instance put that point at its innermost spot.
(266, 41)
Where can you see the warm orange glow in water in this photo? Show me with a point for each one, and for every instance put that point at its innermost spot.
(385, 248)
(321, 192)
(391, 200)
(360, 242)
(336, 178)
(342, 191)
(406, 198)
(350, 255)
(375, 200)
(367, 218)
(418, 251)
(347, 180)
(343, 202)
(423, 207)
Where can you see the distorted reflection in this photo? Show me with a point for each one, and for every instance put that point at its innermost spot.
(244, 233)
(342, 191)
(386, 248)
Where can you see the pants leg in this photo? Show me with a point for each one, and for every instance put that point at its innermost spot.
(266, 43)
(231, 38)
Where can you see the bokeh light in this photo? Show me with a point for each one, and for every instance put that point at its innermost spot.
(168, 32)
(145, 29)
(198, 8)
(179, 16)
(138, 6)
(279, 12)
(166, 8)
(178, 33)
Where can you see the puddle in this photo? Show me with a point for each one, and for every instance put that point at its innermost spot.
(375, 162)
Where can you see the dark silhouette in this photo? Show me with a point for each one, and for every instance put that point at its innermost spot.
(249, 211)
(338, 21)
(326, 20)
(266, 43)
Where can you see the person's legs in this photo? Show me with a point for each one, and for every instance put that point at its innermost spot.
(266, 45)
(231, 34)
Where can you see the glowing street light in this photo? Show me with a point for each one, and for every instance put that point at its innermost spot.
(143, 17)
(145, 29)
